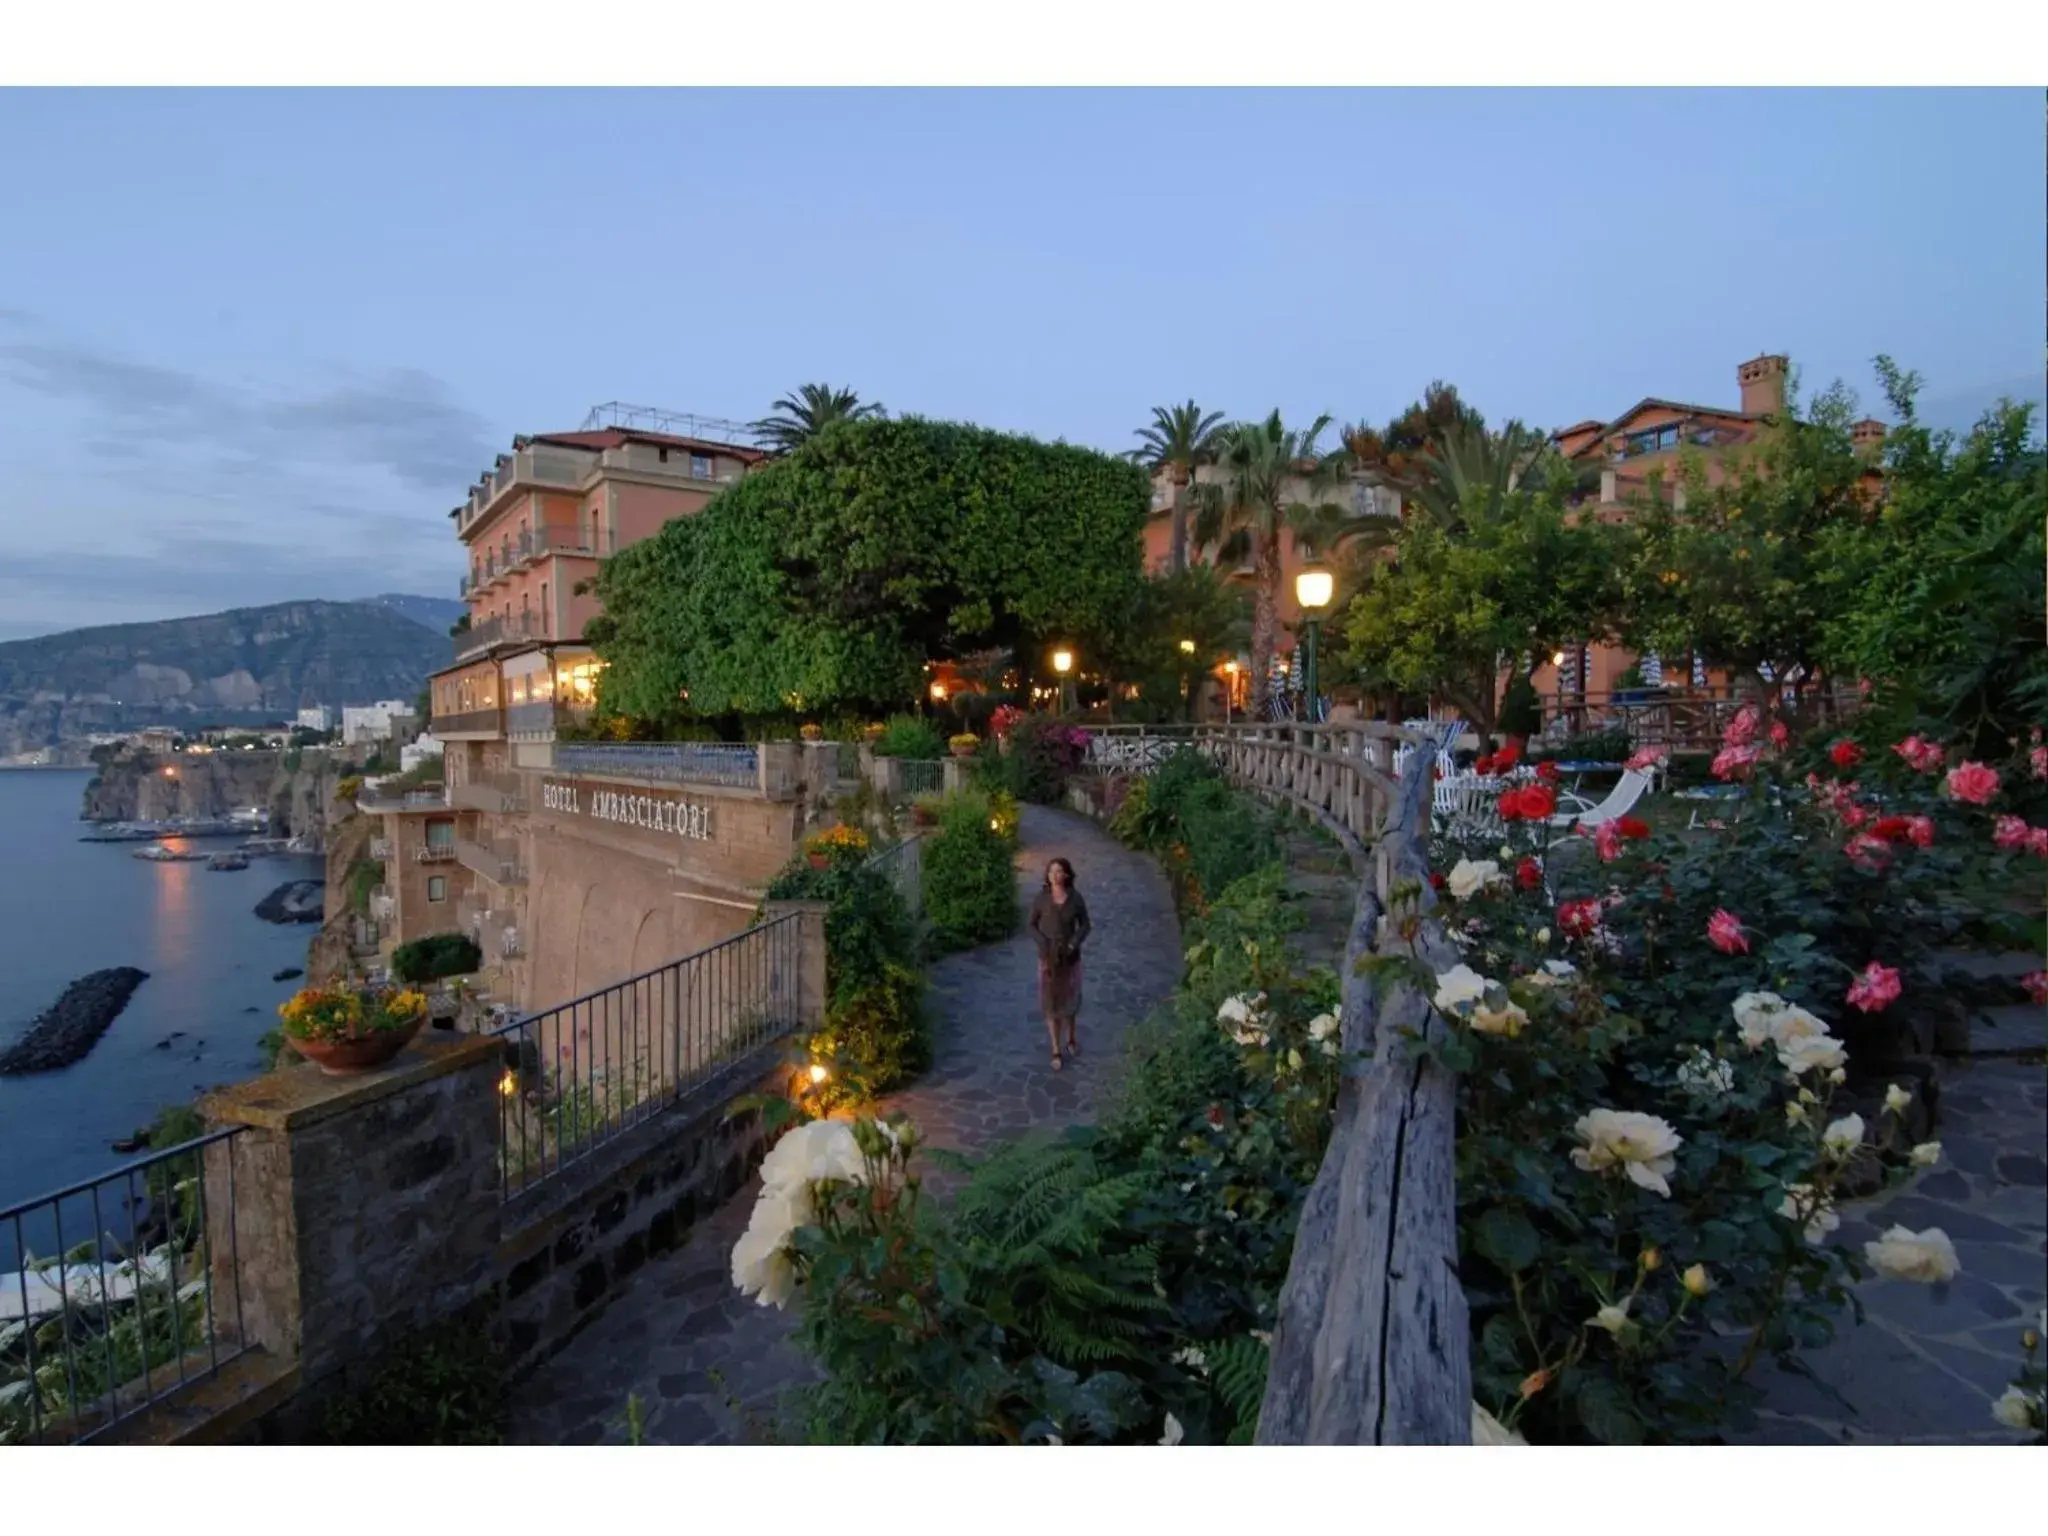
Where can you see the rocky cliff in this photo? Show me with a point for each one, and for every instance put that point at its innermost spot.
(247, 666)
(330, 956)
(296, 788)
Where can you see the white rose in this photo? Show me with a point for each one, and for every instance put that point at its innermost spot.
(1839, 1076)
(1322, 1026)
(1542, 935)
(1466, 877)
(2015, 1410)
(1927, 1154)
(1293, 1059)
(1753, 1014)
(761, 1263)
(1801, 1204)
(1173, 1431)
(1487, 1430)
(1458, 986)
(1896, 1099)
(1806, 1053)
(1843, 1136)
(1613, 1317)
(1926, 1257)
(812, 1153)
(1641, 1145)
(1705, 1074)
(1243, 1017)
(1506, 852)
(1193, 1358)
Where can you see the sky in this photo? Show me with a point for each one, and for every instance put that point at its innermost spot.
(254, 345)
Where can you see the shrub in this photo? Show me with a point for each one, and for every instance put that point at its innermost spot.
(444, 1386)
(910, 736)
(970, 881)
(875, 1035)
(1045, 753)
(436, 956)
(1206, 834)
(1521, 711)
(1609, 746)
(364, 876)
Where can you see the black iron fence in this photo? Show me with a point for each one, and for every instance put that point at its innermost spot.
(582, 1074)
(114, 1292)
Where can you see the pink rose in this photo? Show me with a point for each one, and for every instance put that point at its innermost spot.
(1875, 988)
(1607, 841)
(2009, 832)
(1742, 729)
(1920, 831)
(1921, 756)
(2037, 842)
(2039, 758)
(1853, 815)
(1781, 735)
(2036, 983)
(1733, 762)
(1724, 932)
(1973, 783)
(1646, 757)
(1868, 852)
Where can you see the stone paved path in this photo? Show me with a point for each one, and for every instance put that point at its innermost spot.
(1926, 1363)
(710, 1366)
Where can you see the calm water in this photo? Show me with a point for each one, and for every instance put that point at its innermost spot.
(67, 908)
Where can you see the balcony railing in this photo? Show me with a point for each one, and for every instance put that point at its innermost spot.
(737, 765)
(497, 797)
(434, 853)
(378, 799)
(495, 866)
(542, 719)
(470, 722)
(482, 634)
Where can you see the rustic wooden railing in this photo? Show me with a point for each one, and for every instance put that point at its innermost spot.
(1343, 775)
(1372, 1346)
(1686, 720)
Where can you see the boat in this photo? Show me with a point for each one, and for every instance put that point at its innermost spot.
(158, 853)
(228, 861)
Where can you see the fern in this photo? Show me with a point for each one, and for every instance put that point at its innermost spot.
(1237, 1369)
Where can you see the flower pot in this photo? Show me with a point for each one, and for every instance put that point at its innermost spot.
(923, 816)
(963, 750)
(818, 860)
(363, 1053)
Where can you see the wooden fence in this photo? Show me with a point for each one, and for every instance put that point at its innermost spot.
(1686, 720)
(1373, 1344)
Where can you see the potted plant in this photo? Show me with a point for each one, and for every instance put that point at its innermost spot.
(963, 745)
(352, 1028)
(811, 731)
(821, 848)
(924, 811)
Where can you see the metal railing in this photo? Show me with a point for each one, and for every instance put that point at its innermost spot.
(582, 1074)
(482, 634)
(921, 775)
(434, 853)
(495, 865)
(492, 794)
(1687, 719)
(134, 1301)
(379, 799)
(468, 722)
(734, 764)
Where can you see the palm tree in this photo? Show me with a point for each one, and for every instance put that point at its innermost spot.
(1272, 480)
(1180, 438)
(801, 416)
(1465, 472)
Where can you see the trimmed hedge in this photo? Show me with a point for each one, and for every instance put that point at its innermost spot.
(970, 878)
(436, 956)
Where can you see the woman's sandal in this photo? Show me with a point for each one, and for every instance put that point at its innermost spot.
(1074, 1049)
(1055, 1061)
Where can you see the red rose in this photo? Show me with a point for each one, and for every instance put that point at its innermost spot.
(1436, 881)
(1633, 827)
(1532, 802)
(1724, 932)
(1508, 755)
(1579, 918)
(1892, 829)
(1920, 831)
(1483, 766)
(1529, 874)
(1845, 754)
(1547, 772)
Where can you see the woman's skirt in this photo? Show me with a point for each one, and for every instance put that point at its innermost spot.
(1059, 989)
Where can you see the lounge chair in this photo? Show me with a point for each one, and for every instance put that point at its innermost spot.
(1619, 802)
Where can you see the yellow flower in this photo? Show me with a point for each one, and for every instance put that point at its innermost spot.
(1695, 1280)
(1927, 1154)
(1896, 1099)
(1642, 1146)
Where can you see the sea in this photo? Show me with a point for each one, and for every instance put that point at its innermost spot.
(68, 907)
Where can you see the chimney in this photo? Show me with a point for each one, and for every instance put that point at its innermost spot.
(1763, 384)
(1867, 436)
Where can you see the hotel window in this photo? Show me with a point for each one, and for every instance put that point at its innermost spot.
(700, 467)
(440, 834)
(544, 603)
(437, 887)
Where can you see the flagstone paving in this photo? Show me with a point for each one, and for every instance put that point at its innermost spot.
(1927, 1362)
(708, 1365)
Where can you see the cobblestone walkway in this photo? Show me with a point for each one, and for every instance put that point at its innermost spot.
(1927, 1362)
(709, 1366)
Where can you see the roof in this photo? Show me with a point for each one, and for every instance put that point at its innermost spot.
(618, 437)
(1646, 403)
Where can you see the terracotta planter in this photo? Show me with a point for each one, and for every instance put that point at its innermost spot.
(923, 816)
(818, 860)
(364, 1053)
(963, 751)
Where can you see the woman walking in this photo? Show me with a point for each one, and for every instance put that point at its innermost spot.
(1059, 923)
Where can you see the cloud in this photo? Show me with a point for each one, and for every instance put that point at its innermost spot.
(403, 421)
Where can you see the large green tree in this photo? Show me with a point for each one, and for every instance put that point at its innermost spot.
(1509, 574)
(1397, 451)
(1270, 478)
(796, 418)
(828, 578)
(1183, 626)
(1179, 440)
(1937, 597)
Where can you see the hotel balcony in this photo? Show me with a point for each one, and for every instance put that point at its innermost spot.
(501, 560)
(495, 866)
(497, 796)
(380, 801)
(482, 634)
(469, 725)
(434, 853)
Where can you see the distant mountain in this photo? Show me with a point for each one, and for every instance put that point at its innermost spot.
(436, 613)
(1961, 409)
(240, 667)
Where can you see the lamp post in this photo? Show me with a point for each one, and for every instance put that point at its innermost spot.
(1313, 588)
(1229, 688)
(1063, 663)
(1187, 681)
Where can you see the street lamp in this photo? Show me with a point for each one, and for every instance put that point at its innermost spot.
(1229, 688)
(1063, 663)
(1313, 588)
(1187, 647)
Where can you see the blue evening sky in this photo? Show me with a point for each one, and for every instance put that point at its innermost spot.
(253, 346)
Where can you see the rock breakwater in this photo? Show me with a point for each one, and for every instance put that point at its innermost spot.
(73, 1024)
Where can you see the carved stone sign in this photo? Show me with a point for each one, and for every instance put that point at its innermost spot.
(657, 813)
